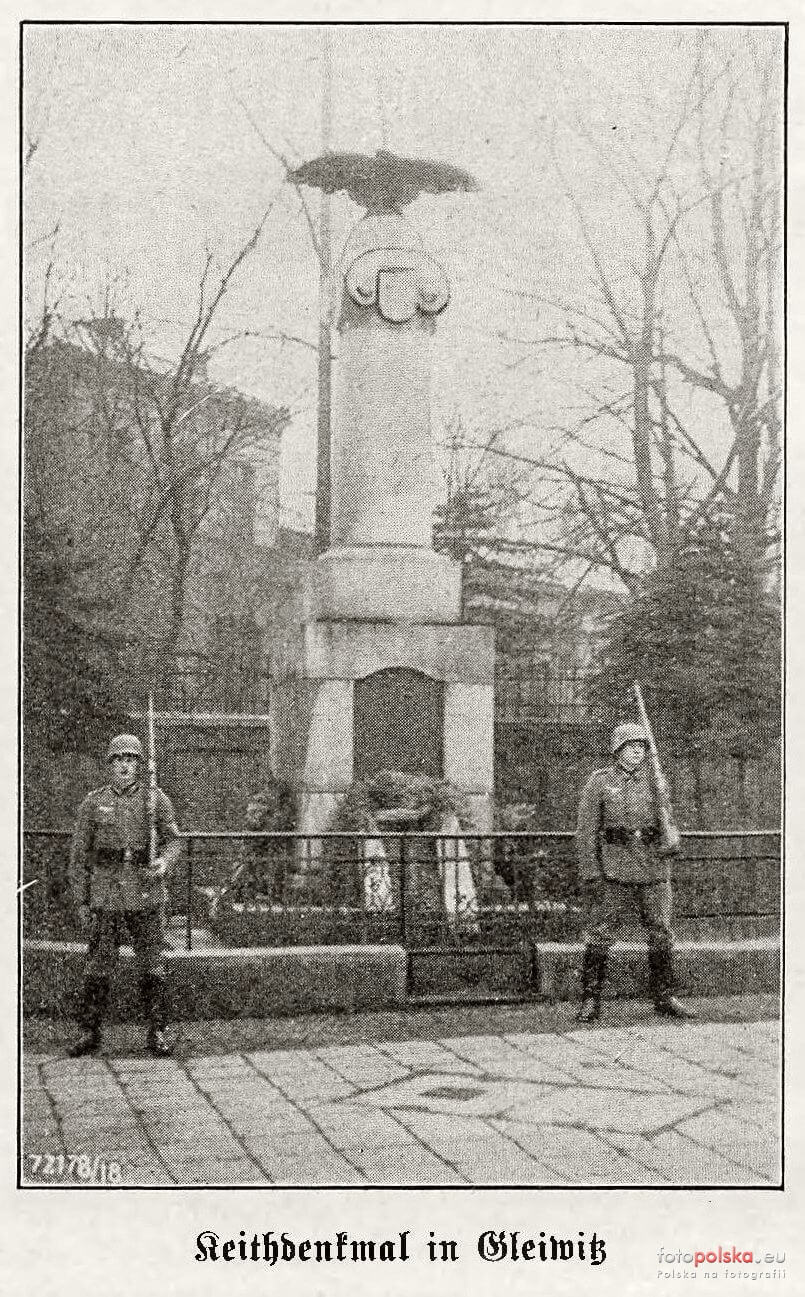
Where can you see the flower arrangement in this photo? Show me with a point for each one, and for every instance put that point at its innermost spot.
(429, 802)
(273, 808)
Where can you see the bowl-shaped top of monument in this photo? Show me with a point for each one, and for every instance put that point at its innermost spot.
(384, 183)
(380, 230)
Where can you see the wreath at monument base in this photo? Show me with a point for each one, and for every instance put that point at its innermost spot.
(260, 868)
(429, 802)
(274, 807)
(442, 875)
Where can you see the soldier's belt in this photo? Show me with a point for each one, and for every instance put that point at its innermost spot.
(625, 837)
(108, 859)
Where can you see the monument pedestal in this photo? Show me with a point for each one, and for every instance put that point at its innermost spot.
(381, 695)
(388, 583)
(387, 678)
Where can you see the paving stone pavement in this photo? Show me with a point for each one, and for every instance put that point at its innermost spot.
(652, 1103)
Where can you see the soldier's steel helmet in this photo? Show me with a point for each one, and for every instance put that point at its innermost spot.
(125, 745)
(628, 733)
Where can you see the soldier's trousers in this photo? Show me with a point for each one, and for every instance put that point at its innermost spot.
(110, 929)
(611, 905)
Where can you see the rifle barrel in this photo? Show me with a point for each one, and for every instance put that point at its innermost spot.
(646, 723)
(152, 784)
(669, 833)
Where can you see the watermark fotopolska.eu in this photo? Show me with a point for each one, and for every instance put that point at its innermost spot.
(721, 1262)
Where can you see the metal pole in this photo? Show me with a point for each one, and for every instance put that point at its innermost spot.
(323, 437)
(152, 785)
(189, 917)
(403, 893)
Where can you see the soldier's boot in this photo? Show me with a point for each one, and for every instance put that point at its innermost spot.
(94, 999)
(593, 973)
(153, 993)
(662, 980)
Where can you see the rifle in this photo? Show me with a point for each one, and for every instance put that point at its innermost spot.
(152, 786)
(670, 837)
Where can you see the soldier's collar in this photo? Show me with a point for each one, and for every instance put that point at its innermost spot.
(127, 791)
(630, 774)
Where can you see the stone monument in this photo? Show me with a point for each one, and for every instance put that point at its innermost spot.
(391, 676)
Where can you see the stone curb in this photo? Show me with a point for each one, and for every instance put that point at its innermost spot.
(703, 968)
(207, 984)
(263, 982)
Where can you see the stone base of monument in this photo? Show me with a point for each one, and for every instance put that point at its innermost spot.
(388, 583)
(348, 650)
(373, 695)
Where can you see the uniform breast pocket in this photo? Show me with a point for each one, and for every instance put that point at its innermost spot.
(614, 805)
(105, 828)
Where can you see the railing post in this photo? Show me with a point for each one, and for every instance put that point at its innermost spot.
(364, 863)
(403, 893)
(189, 901)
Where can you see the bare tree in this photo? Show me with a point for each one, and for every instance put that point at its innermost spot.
(157, 453)
(478, 524)
(673, 350)
(189, 436)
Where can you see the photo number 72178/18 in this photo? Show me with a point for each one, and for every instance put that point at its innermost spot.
(73, 1166)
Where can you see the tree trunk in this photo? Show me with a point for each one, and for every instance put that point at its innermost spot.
(642, 357)
(170, 664)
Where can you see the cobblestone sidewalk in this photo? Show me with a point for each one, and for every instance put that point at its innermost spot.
(647, 1104)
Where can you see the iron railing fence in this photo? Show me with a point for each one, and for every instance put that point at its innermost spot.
(200, 682)
(238, 682)
(244, 679)
(525, 693)
(529, 692)
(241, 889)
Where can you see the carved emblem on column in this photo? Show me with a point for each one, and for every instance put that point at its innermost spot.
(398, 282)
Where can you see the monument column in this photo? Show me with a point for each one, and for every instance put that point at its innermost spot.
(388, 607)
(381, 563)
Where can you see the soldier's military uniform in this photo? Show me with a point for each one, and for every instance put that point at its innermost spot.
(623, 873)
(109, 864)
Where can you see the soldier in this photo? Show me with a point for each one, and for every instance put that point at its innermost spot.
(119, 893)
(621, 870)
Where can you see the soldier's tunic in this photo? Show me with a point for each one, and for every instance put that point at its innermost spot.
(108, 864)
(616, 843)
